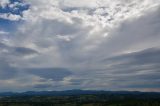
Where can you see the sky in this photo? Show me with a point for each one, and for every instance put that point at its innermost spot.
(79, 44)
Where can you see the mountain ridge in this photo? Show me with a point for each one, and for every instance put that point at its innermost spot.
(74, 93)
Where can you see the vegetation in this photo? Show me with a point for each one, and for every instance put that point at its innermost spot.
(108, 99)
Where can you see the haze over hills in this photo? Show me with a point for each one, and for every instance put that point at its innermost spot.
(77, 92)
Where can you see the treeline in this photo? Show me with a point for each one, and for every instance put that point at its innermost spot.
(83, 100)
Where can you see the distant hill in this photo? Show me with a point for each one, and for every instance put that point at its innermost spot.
(77, 92)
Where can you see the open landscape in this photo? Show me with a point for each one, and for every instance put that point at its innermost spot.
(80, 98)
(79, 52)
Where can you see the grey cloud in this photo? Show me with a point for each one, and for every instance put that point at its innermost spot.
(24, 51)
(76, 82)
(56, 27)
(144, 57)
(2, 45)
(6, 71)
(56, 74)
(12, 50)
(42, 86)
(145, 62)
(137, 68)
(144, 85)
(7, 60)
(139, 33)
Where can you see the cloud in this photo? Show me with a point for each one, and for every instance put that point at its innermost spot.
(12, 10)
(42, 86)
(20, 51)
(135, 62)
(131, 70)
(24, 51)
(10, 17)
(103, 44)
(6, 71)
(3, 32)
(3, 3)
(56, 74)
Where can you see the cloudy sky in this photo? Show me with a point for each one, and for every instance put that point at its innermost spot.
(79, 44)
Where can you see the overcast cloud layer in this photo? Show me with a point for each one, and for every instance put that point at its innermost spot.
(76, 44)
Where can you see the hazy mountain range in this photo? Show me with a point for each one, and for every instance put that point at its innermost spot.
(77, 92)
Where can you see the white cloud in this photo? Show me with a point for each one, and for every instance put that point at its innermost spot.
(9, 16)
(107, 14)
(78, 34)
(3, 32)
(3, 3)
(65, 38)
(11, 7)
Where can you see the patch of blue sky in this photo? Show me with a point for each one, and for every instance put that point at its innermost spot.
(11, 25)
(8, 25)
(17, 9)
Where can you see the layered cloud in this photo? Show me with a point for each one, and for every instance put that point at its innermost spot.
(68, 44)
